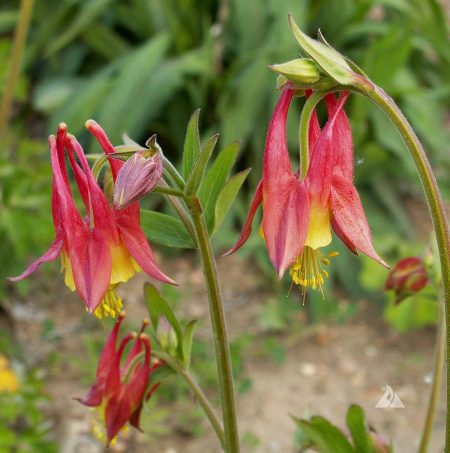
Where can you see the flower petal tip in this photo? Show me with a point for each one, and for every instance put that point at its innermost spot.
(89, 124)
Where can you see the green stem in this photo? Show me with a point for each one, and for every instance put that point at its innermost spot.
(172, 172)
(26, 8)
(180, 210)
(303, 130)
(169, 191)
(98, 164)
(223, 358)
(438, 371)
(196, 390)
(436, 206)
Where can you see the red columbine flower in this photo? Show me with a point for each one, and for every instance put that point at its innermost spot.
(103, 249)
(407, 277)
(120, 392)
(298, 214)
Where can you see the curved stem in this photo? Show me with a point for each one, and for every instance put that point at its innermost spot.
(436, 206)
(438, 371)
(303, 130)
(20, 36)
(223, 357)
(196, 390)
(98, 164)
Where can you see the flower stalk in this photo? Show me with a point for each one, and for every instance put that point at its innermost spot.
(438, 371)
(223, 357)
(196, 391)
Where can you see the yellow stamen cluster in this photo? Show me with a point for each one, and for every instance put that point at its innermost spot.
(98, 426)
(307, 269)
(111, 305)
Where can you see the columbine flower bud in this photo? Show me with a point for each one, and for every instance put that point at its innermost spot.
(407, 277)
(300, 70)
(166, 335)
(137, 177)
(328, 59)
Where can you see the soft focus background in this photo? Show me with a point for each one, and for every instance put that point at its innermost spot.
(142, 67)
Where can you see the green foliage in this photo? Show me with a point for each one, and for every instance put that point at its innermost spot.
(165, 229)
(24, 425)
(319, 434)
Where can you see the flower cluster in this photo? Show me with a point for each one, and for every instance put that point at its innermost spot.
(119, 392)
(105, 247)
(298, 214)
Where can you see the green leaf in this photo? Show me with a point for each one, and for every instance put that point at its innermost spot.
(88, 14)
(187, 342)
(82, 104)
(157, 306)
(165, 229)
(198, 170)
(191, 144)
(215, 179)
(413, 312)
(227, 196)
(325, 436)
(129, 85)
(357, 425)
(105, 41)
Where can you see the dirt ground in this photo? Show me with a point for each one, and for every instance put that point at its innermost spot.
(327, 368)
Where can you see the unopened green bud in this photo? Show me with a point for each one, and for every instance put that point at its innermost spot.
(327, 58)
(166, 335)
(300, 70)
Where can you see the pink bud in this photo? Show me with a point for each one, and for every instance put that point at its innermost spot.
(137, 177)
(408, 276)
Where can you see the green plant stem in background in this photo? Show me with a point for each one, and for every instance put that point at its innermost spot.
(438, 371)
(437, 210)
(26, 7)
(223, 357)
(196, 390)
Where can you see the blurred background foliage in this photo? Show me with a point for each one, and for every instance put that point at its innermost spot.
(143, 66)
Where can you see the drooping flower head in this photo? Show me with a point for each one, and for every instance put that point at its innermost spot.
(120, 390)
(407, 277)
(104, 248)
(298, 214)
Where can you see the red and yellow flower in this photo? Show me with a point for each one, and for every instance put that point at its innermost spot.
(299, 214)
(104, 248)
(407, 277)
(120, 392)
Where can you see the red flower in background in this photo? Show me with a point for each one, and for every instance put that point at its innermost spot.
(407, 277)
(298, 214)
(120, 392)
(105, 248)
